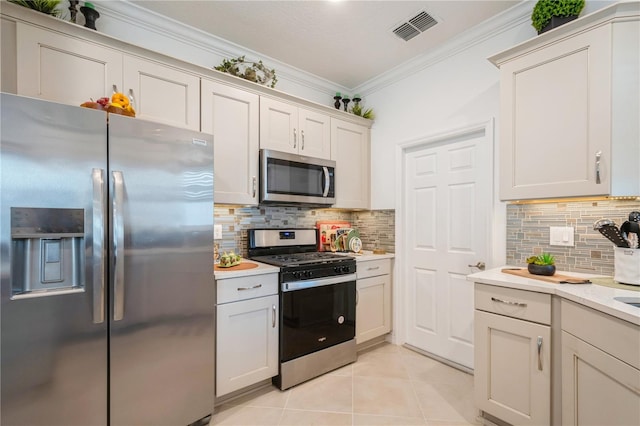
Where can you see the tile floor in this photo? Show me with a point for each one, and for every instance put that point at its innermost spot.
(388, 385)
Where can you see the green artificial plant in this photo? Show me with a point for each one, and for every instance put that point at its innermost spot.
(49, 7)
(544, 10)
(542, 259)
(252, 71)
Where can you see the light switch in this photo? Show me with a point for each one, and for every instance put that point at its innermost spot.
(561, 236)
(217, 232)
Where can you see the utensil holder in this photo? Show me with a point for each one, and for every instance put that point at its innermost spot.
(627, 266)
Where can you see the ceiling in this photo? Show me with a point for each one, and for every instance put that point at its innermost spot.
(345, 42)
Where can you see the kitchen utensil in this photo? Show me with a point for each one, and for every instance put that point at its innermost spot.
(631, 232)
(608, 228)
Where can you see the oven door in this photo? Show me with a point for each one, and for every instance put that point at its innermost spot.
(289, 178)
(316, 318)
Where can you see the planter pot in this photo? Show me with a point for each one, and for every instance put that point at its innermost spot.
(547, 270)
(557, 21)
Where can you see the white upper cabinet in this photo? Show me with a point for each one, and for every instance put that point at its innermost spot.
(569, 110)
(231, 116)
(162, 93)
(64, 69)
(286, 127)
(350, 150)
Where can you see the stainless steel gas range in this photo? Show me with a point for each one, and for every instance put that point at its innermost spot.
(317, 303)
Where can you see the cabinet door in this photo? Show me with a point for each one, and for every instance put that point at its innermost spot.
(373, 309)
(597, 388)
(556, 117)
(162, 93)
(231, 116)
(278, 126)
(350, 151)
(315, 134)
(512, 372)
(64, 69)
(246, 343)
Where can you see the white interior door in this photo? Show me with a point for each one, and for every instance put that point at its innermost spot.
(447, 198)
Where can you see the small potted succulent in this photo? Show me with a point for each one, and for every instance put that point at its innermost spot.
(549, 14)
(542, 264)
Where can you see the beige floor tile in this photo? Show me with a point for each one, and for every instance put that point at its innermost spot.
(445, 403)
(239, 415)
(384, 396)
(309, 418)
(381, 364)
(427, 370)
(371, 420)
(384, 347)
(325, 393)
(269, 397)
(347, 370)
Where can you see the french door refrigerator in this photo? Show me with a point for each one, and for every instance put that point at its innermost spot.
(107, 293)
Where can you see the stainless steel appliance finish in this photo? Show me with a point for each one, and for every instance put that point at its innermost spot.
(295, 179)
(317, 303)
(120, 329)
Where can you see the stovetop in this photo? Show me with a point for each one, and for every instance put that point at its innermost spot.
(299, 259)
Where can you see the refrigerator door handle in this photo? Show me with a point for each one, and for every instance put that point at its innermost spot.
(97, 177)
(118, 246)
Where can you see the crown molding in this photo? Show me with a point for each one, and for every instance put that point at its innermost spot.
(165, 27)
(488, 29)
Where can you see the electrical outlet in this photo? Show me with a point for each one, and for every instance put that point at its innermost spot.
(217, 232)
(561, 236)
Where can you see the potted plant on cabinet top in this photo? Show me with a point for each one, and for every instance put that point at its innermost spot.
(542, 264)
(48, 7)
(549, 14)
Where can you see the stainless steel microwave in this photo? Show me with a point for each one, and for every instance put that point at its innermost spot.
(295, 179)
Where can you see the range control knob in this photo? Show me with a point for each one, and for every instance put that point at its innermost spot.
(345, 269)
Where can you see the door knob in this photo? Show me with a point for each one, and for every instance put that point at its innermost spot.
(479, 265)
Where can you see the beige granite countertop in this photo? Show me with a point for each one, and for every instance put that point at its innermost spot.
(594, 296)
(368, 255)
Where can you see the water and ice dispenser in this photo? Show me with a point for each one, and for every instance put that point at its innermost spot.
(47, 250)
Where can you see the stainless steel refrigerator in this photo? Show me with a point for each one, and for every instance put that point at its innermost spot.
(106, 245)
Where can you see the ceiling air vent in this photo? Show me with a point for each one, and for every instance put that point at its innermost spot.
(416, 25)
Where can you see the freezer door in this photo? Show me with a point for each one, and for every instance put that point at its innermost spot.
(54, 338)
(162, 300)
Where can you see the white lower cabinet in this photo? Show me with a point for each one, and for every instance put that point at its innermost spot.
(600, 368)
(246, 332)
(373, 309)
(513, 355)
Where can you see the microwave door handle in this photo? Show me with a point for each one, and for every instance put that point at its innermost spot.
(327, 182)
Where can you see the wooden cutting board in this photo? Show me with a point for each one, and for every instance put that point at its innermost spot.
(556, 279)
(241, 267)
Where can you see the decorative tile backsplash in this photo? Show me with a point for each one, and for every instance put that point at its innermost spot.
(528, 233)
(377, 228)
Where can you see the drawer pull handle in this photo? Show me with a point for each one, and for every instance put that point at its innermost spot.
(540, 353)
(373, 269)
(249, 288)
(523, 305)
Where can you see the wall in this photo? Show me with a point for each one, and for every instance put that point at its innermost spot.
(528, 233)
(377, 228)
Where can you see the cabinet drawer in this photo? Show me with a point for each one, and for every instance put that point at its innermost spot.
(373, 268)
(522, 304)
(241, 288)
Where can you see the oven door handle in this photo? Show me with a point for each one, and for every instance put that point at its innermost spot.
(300, 285)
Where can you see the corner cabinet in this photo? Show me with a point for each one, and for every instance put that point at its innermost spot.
(246, 331)
(287, 128)
(231, 115)
(61, 68)
(569, 109)
(373, 301)
(600, 368)
(350, 149)
(512, 378)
